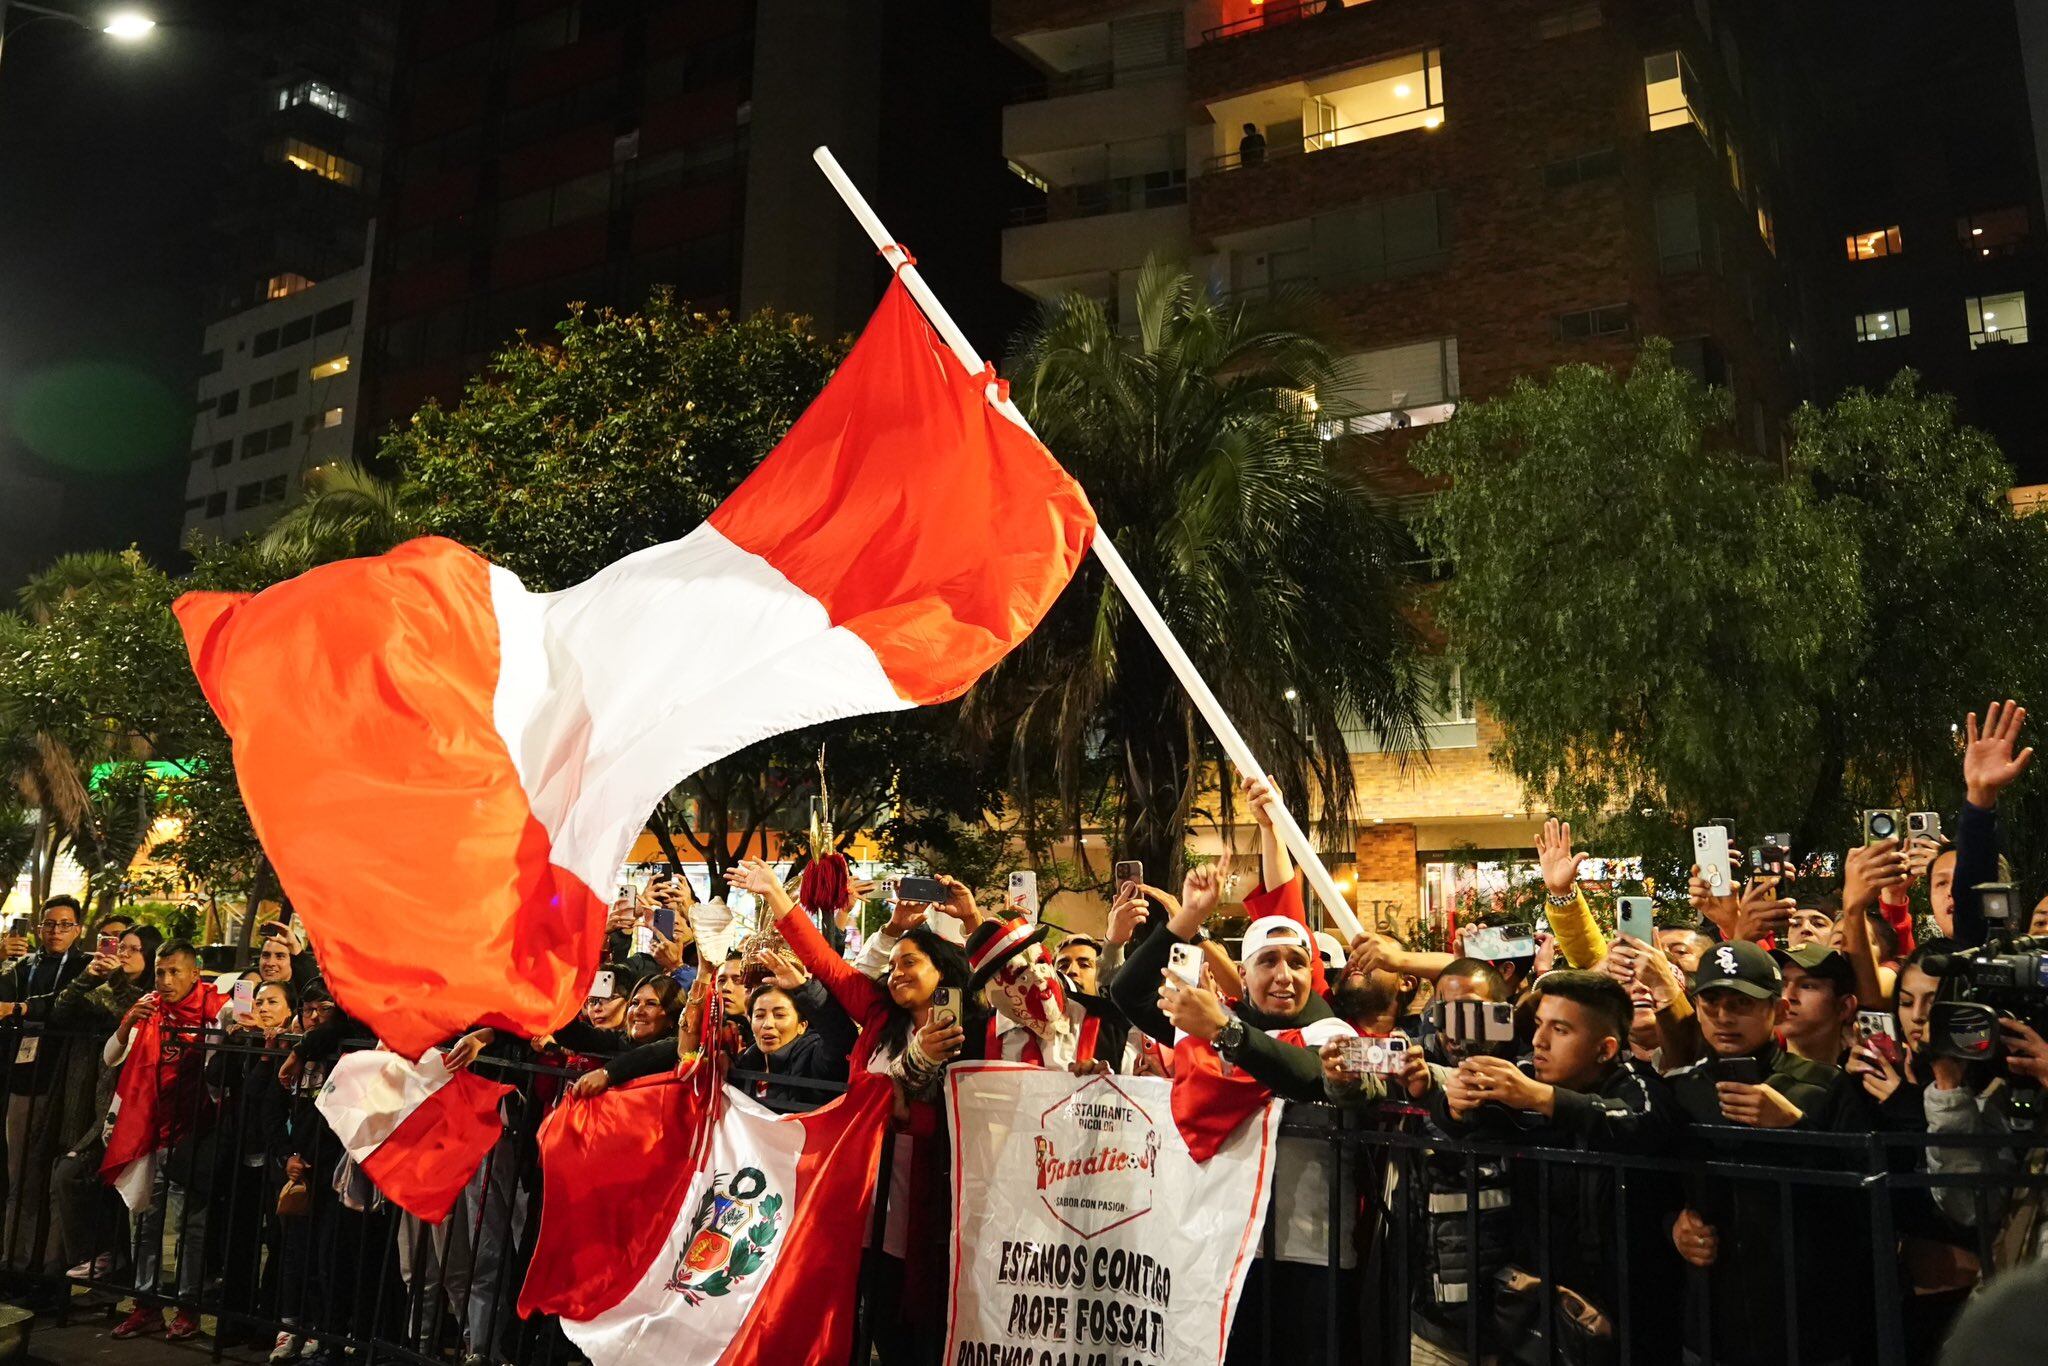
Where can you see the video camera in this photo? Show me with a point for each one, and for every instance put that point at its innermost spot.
(2006, 977)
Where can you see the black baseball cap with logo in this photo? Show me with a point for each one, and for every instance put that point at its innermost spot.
(1738, 965)
(1820, 961)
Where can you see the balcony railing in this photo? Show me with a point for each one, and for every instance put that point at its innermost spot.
(1322, 139)
(1268, 16)
(1090, 80)
(1122, 195)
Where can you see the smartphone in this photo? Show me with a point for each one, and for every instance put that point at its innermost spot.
(1710, 852)
(1131, 871)
(1023, 897)
(929, 890)
(665, 921)
(1353, 1048)
(1748, 1071)
(601, 986)
(946, 1006)
(244, 996)
(1385, 1056)
(1471, 1021)
(18, 927)
(1185, 962)
(1884, 824)
(110, 945)
(1923, 824)
(1636, 917)
(1880, 1033)
(1495, 945)
(643, 939)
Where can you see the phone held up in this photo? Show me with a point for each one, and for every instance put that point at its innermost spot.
(928, 890)
(1710, 852)
(1023, 895)
(1184, 961)
(946, 1006)
(1130, 872)
(1886, 824)
(1635, 916)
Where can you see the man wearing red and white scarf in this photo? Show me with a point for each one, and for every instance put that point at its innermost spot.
(1230, 1060)
(157, 1139)
(1036, 1019)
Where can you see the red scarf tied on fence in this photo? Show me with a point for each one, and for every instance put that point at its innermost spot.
(160, 1097)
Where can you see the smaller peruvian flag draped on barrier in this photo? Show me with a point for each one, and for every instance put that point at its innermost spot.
(161, 1095)
(681, 1222)
(418, 1130)
(447, 769)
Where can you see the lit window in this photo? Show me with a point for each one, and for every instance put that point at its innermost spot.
(1028, 176)
(327, 369)
(1736, 177)
(1766, 225)
(285, 285)
(1673, 92)
(1884, 326)
(331, 418)
(1394, 96)
(318, 95)
(1391, 388)
(1995, 232)
(1997, 319)
(1868, 246)
(321, 162)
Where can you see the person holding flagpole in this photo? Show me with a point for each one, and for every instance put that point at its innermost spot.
(904, 1038)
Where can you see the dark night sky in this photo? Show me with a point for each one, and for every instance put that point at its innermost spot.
(109, 162)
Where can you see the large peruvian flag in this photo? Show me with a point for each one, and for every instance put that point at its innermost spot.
(417, 1129)
(682, 1222)
(447, 770)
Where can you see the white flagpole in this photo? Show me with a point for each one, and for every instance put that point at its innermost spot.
(1112, 561)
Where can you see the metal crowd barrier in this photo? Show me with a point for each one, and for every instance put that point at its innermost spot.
(354, 1272)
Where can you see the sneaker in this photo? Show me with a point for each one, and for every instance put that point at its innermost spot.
(184, 1324)
(143, 1319)
(288, 1348)
(82, 1272)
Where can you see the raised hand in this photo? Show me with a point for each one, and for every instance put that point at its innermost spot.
(960, 903)
(1261, 796)
(1761, 911)
(1870, 868)
(754, 876)
(1554, 856)
(1989, 763)
(1126, 915)
(1201, 891)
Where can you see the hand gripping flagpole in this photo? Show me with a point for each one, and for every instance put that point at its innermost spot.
(1140, 602)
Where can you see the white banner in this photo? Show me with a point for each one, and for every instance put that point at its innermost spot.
(1083, 1233)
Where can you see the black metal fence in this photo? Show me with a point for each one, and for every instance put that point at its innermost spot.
(1450, 1249)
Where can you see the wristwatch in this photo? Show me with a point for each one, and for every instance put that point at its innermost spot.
(1230, 1038)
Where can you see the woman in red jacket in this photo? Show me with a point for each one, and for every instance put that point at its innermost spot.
(902, 1038)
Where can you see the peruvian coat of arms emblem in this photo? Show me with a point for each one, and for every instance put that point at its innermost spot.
(730, 1235)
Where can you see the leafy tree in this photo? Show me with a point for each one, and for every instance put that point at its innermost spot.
(1669, 630)
(1266, 551)
(347, 511)
(626, 431)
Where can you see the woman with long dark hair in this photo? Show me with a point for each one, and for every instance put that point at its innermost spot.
(799, 1032)
(903, 1038)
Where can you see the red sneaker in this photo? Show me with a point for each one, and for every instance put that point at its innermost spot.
(184, 1324)
(143, 1319)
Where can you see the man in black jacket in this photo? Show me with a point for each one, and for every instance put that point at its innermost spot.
(1731, 1229)
(1580, 1091)
(36, 1066)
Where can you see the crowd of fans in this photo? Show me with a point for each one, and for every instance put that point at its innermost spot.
(1697, 1057)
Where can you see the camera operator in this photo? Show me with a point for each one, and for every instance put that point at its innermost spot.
(1578, 1091)
(1730, 1229)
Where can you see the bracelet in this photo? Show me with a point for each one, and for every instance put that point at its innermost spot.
(1567, 899)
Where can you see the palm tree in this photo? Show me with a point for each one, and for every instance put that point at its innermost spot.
(85, 571)
(1270, 556)
(347, 511)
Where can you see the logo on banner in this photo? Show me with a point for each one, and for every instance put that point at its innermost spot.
(730, 1236)
(1091, 1175)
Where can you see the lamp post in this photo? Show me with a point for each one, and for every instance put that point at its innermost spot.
(125, 26)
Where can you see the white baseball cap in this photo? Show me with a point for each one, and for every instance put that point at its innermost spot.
(1270, 930)
(1333, 953)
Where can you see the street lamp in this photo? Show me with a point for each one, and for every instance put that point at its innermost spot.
(123, 25)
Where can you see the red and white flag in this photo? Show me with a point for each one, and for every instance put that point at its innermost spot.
(160, 1096)
(682, 1222)
(447, 770)
(418, 1130)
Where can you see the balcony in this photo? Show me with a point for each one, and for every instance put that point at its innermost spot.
(1084, 254)
(1244, 17)
(1148, 103)
(1398, 95)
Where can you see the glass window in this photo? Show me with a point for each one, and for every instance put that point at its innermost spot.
(1611, 321)
(1375, 241)
(284, 384)
(1766, 223)
(223, 452)
(1868, 246)
(319, 96)
(265, 343)
(1574, 19)
(230, 402)
(340, 315)
(280, 436)
(1887, 326)
(1995, 232)
(1393, 96)
(1585, 166)
(209, 364)
(295, 331)
(216, 504)
(1997, 319)
(1673, 92)
(1391, 388)
(273, 489)
(285, 285)
(1679, 239)
(326, 369)
(259, 393)
(321, 162)
(248, 496)
(331, 418)
(1736, 172)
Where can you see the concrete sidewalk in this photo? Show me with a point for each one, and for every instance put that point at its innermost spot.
(86, 1341)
